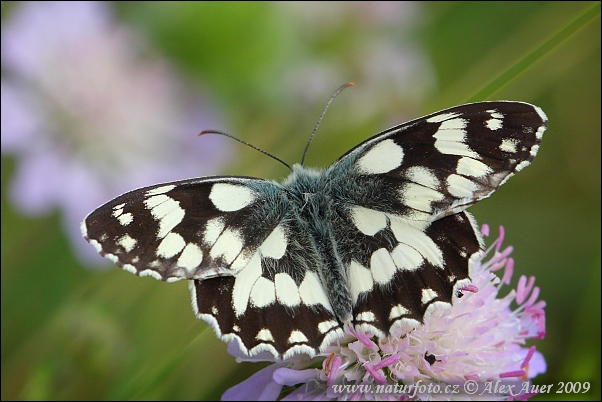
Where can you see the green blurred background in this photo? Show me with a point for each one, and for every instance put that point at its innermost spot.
(76, 333)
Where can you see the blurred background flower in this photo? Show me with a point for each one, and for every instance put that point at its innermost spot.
(90, 113)
(100, 98)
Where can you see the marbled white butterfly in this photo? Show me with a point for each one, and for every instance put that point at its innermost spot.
(369, 243)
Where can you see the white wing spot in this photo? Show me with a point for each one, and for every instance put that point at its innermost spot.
(423, 176)
(496, 114)
(96, 245)
(228, 245)
(213, 228)
(382, 266)
(367, 316)
(540, 131)
(509, 145)
(117, 210)
(368, 221)
(494, 124)
(418, 197)
(360, 280)
(461, 187)
(160, 190)
(126, 219)
(191, 257)
(263, 293)
(521, 166)
(326, 326)
(83, 228)
(170, 246)
(452, 130)
(381, 158)
(450, 137)
(496, 121)
(153, 201)
(406, 257)
(418, 240)
(128, 243)
(112, 257)
(231, 197)
(473, 168)
(167, 211)
(312, 292)
(275, 244)
(302, 349)
(428, 295)
(286, 290)
(265, 335)
(151, 273)
(543, 116)
(244, 282)
(442, 117)
(297, 337)
(398, 311)
(534, 150)
(240, 262)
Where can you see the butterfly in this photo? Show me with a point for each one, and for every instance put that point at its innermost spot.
(370, 243)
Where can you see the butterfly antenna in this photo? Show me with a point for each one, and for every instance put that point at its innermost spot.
(247, 144)
(334, 95)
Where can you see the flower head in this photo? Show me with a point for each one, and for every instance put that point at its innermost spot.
(89, 113)
(478, 340)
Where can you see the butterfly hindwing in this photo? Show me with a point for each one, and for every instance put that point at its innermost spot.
(399, 300)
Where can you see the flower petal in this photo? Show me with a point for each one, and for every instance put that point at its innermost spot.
(259, 387)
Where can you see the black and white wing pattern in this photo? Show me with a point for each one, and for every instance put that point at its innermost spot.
(370, 243)
(252, 265)
(403, 200)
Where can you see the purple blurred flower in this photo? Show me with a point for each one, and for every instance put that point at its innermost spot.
(89, 113)
(379, 49)
(479, 338)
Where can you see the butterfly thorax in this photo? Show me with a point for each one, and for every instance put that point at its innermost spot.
(316, 210)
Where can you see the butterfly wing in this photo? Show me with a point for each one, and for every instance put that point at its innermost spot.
(397, 219)
(404, 237)
(250, 262)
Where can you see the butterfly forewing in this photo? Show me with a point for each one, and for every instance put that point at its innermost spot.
(185, 230)
(442, 163)
(253, 263)
(372, 242)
